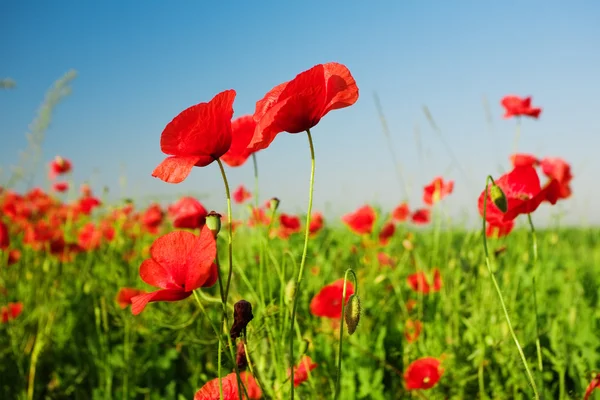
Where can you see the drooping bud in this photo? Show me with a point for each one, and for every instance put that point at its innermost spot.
(498, 197)
(213, 221)
(242, 315)
(352, 313)
(274, 204)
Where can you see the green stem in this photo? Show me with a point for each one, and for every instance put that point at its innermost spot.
(229, 228)
(255, 163)
(339, 368)
(303, 260)
(499, 292)
(534, 248)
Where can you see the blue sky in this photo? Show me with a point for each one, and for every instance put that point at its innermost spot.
(141, 63)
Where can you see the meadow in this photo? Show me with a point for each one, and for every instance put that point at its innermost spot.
(382, 304)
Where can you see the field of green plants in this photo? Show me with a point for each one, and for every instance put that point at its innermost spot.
(127, 300)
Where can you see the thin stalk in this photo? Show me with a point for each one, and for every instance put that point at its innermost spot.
(339, 368)
(229, 228)
(218, 337)
(303, 260)
(499, 292)
(255, 164)
(534, 249)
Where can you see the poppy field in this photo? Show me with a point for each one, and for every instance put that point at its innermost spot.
(235, 299)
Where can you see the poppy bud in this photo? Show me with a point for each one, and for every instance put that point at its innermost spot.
(290, 290)
(274, 204)
(213, 221)
(498, 197)
(242, 315)
(352, 313)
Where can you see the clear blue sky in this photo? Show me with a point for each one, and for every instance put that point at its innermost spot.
(141, 63)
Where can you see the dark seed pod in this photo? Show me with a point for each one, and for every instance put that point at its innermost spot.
(242, 315)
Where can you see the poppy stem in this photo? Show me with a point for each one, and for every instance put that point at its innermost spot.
(229, 229)
(339, 368)
(303, 260)
(499, 292)
(534, 249)
(255, 164)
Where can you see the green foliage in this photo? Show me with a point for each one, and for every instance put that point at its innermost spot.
(88, 347)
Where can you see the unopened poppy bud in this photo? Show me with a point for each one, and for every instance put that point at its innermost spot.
(242, 315)
(213, 221)
(274, 204)
(290, 291)
(352, 313)
(498, 197)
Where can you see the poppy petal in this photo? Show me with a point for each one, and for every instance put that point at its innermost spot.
(201, 257)
(138, 303)
(202, 129)
(341, 87)
(175, 169)
(156, 275)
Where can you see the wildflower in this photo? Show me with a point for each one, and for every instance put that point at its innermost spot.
(437, 190)
(516, 106)
(298, 105)
(423, 373)
(361, 221)
(196, 137)
(180, 263)
(328, 302)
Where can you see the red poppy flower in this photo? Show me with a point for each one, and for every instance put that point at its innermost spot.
(125, 295)
(4, 236)
(524, 160)
(328, 302)
(241, 194)
(594, 384)
(59, 166)
(360, 221)
(421, 216)
(523, 193)
(258, 217)
(385, 260)
(299, 104)
(418, 282)
(290, 222)
(423, 373)
(301, 371)
(516, 106)
(10, 312)
(90, 236)
(437, 190)
(242, 130)
(316, 223)
(180, 263)
(401, 212)
(13, 256)
(196, 137)
(188, 213)
(386, 233)
(412, 330)
(60, 186)
(152, 218)
(210, 391)
(558, 169)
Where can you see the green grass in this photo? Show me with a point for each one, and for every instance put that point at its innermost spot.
(83, 346)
